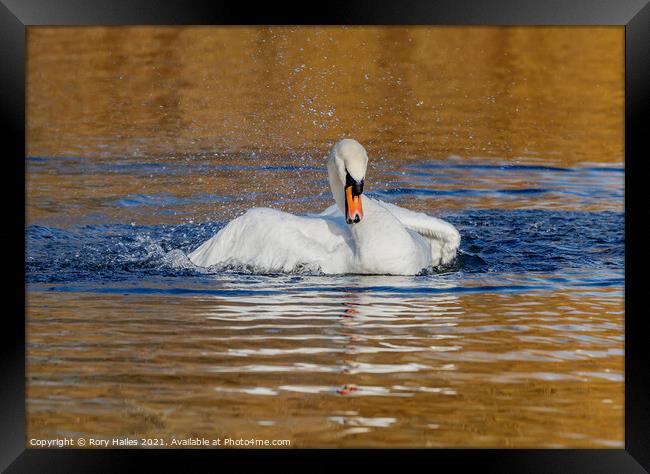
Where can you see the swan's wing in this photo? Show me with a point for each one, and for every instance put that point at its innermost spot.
(443, 236)
(271, 240)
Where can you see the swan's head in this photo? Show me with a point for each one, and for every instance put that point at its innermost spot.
(350, 162)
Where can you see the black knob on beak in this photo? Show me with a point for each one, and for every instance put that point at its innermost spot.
(357, 186)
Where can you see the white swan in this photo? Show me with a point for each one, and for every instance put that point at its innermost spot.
(356, 235)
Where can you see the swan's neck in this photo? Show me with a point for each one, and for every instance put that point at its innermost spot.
(338, 190)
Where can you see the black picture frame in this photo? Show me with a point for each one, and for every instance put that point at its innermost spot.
(16, 15)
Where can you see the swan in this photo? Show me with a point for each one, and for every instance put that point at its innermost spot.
(357, 234)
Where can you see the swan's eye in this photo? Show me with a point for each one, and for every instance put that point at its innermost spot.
(357, 186)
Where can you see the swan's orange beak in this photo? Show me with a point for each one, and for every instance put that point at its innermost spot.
(353, 209)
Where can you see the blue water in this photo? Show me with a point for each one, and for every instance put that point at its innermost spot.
(585, 236)
(493, 241)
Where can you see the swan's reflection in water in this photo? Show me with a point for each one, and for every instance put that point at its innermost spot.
(361, 343)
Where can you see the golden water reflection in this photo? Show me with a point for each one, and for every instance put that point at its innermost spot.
(509, 370)
(552, 93)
